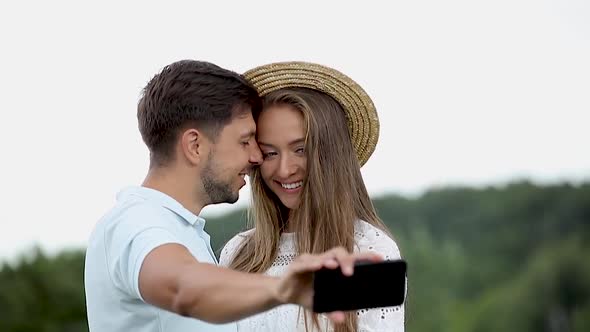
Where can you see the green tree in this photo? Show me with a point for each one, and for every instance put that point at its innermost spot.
(505, 258)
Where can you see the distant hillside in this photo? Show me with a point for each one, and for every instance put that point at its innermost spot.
(511, 258)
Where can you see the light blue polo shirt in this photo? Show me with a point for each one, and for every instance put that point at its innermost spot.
(141, 220)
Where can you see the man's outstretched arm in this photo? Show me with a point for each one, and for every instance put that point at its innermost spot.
(172, 279)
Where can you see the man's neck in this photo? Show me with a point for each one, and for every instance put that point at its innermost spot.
(175, 186)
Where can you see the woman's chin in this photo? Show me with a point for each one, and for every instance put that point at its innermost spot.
(290, 203)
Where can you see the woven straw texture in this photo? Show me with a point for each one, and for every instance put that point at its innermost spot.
(363, 122)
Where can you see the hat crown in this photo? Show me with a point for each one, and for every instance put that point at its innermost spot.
(360, 112)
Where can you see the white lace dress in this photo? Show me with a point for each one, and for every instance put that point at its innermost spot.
(288, 318)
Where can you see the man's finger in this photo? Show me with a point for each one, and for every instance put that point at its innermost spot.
(306, 263)
(336, 317)
(330, 263)
(368, 255)
(344, 259)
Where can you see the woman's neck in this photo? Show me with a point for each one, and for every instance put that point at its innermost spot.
(289, 227)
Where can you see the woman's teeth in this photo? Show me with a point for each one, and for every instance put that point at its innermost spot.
(293, 185)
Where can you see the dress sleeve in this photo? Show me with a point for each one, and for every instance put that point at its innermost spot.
(230, 249)
(370, 238)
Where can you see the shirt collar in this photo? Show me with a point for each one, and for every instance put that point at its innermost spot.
(165, 201)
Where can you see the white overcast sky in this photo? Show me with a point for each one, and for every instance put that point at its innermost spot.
(468, 92)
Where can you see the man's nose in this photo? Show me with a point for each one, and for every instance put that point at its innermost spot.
(255, 154)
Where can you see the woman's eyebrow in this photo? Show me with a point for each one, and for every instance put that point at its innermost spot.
(293, 142)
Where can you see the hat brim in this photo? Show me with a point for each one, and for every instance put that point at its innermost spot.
(360, 112)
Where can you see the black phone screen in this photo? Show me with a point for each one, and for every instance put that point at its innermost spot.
(372, 285)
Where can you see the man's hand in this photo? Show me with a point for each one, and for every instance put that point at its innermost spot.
(296, 286)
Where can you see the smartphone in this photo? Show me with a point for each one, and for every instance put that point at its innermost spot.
(372, 285)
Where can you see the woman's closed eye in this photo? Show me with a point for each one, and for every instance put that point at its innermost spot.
(268, 154)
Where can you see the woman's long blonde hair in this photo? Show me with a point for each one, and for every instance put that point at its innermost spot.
(333, 197)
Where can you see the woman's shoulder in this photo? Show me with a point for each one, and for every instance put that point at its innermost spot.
(232, 246)
(368, 237)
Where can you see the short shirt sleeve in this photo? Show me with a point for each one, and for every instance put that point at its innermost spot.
(139, 230)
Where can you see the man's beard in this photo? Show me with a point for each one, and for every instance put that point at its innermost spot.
(216, 189)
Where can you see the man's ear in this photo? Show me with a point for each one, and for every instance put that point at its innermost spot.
(194, 145)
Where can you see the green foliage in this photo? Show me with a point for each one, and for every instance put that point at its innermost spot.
(43, 293)
(512, 258)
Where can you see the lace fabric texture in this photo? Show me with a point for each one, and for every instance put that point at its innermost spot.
(290, 318)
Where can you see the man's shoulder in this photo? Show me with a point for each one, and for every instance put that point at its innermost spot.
(140, 211)
(130, 217)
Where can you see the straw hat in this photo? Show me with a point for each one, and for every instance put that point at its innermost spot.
(363, 123)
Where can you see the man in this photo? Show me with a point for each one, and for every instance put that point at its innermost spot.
(149, 263)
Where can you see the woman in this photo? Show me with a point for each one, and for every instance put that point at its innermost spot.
(315, 131)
